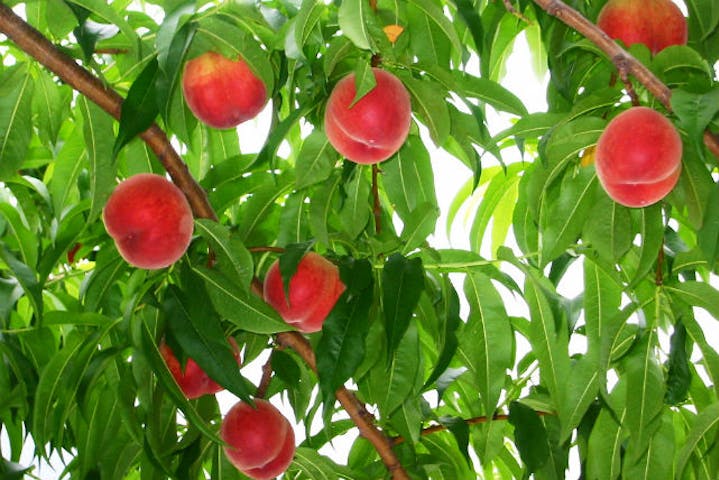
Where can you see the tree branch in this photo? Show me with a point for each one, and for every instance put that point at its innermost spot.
(356, 410)
(36, 45)
(623, 60)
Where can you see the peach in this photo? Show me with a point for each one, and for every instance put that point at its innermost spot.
(260, 441)
(375, 127)
(639, 157)
(655, 23)
(313, 292)
(221, 92)
(150, 221)
(193, 381)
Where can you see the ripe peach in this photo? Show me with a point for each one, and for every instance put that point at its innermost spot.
(221, 92)
(655, 23)
(376, 126)
(313, 292)
(260, 440)
(193, 381)
(639, 157)
(150, 220)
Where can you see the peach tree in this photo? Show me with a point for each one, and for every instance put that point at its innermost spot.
(561, 334)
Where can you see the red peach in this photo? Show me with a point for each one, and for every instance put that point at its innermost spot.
(150, 220)
(221, 92)
(313, 292)
(639, 157)
(260, 440)
(376, 126)
(193, 381)
(655, 23)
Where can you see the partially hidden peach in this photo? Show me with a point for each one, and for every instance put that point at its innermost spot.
(313, 292)
(222, 92)
(192, 380)
(639, 157)
(150, 220)
(375, 127)
(260, 441)
(654, 23)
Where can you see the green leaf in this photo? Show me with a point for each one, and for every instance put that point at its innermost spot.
(428, 102)
(99, 134)
(69, 164)
(491, 93)
(402, 284)
(645, 395)
(140, 106)
(356, 209)
(606, 443)
(703, 430)
(610, 231)
(306, 21)
(698, 294)
(18, 232)
(435, 16)
(678, 371)
(651, 228)
(352, 15)
(402, 377)
(318, 467)
(567, 215)
(26, 277)
(315, 160)
(102, 10)
(233, 259)
(579, 394)
(199, 333)
(50, 104)
(695, 110)
(16, 93)
(364, 82)
(708, 234)
(658, 461)
(242, 309)
(408, 178)
(487, 340)
(341, 348)
(530, 436)
(419, 225)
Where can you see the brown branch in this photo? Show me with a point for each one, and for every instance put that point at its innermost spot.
(265, 380)
(470, 421)
(356, 410)
(620, 57)
(266, 249)
(36, 45)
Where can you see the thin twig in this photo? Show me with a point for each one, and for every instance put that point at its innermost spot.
(265, 380)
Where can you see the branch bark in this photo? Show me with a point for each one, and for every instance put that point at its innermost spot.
(624, 61)
(37, 46)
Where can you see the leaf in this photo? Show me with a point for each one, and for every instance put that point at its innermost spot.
(104, 11)
(23, 239)
(652, 231)
(678, 371)
(695, 110)
(318, 467)
(403, 376)
(567, 215)
(606, 443)
(140, 107)
(364, 81)
(657, 463)
(610, 231)
(408, 178)
(402, 284)
(698, 294)
(306, 21)
(16, 93)
(351, 16)
(486, 341)
(428, 101)
(26, 277)
(98, 133)
(491, 93)
(645, 395)
(435, 15)
(578, 394)
(356, 210)
(341, 348)
(233, 259)
(50, 104)
(419, 225)
(200, 334)
(602, 299)
(530, 436)
(708, 234)
(703, 430)
(242, 309)
(315, 160)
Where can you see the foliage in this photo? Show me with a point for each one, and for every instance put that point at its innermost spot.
(425, 336)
